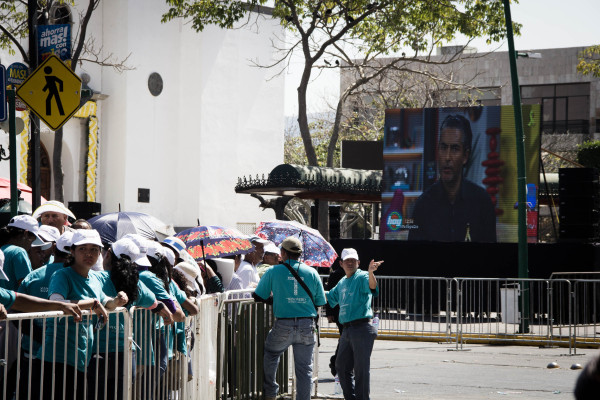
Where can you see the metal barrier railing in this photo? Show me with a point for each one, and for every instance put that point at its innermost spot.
(218, 353)
(551, 312)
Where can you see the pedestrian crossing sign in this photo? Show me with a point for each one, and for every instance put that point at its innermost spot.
(52, 92)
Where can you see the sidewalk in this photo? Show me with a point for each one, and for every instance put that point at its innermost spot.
(422, 370)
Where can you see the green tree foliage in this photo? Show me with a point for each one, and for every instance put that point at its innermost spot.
(589, 61)
(336, 28)
(343, 30)
(588, 154)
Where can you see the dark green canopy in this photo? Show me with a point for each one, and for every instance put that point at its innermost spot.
(307, 182)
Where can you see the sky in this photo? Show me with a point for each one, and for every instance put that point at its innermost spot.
(546, 24)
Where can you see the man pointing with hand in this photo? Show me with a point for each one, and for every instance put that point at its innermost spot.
(354, 293)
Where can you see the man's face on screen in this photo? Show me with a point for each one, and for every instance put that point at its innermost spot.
(452, 155)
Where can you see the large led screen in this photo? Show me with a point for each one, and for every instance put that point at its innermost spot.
(450, 174)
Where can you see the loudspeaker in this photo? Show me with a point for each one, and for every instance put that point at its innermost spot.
(579, 200)
(85, 209)
(335, 222)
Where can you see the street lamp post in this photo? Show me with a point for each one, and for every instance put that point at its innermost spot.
(521, 178)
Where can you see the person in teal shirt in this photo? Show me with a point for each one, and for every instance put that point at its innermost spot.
(354, 294)
(36, 284)
(120, 274)
(16, 239)
(295, 312)
(76, 283)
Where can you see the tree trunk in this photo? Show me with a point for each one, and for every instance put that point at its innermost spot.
(57, 170)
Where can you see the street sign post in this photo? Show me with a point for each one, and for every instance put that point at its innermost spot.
(16, 73)
(52, 92)
(3, 93)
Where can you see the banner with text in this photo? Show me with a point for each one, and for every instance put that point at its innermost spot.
(54, 39)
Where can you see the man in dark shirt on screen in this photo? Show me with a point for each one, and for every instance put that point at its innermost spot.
(454, 209)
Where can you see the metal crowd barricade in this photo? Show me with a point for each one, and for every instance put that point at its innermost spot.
(32, 357)
(525, 311)
(242, 329)
(543, 312)
(224, 342)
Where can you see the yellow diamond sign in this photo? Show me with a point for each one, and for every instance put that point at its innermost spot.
(52, 91)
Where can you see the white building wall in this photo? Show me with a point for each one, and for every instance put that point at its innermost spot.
(217, 118)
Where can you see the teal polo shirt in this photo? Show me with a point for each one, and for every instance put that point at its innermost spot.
(178, 329)
(290, 300)
(354, 297)
(72, 286)
(108, 334)
(36, 284)
(7, 297)
(16, 266)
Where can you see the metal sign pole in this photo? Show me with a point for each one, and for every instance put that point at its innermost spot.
(12, 148)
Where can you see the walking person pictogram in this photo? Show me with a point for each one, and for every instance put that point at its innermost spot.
(54, 85)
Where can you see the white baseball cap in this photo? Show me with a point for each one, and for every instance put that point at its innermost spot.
(29, 224)
(169, 255)
(192, 270)
(2, 273)
(271, 248)
(258, 239)
(64, 241)
(142, 245)
(49, 233)
(349, 253)
(175, 244)
(126, 247)
(52, 206)
(154, 249)
(86, 236)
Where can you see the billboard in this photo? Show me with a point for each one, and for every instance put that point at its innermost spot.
(54, 39)
(450, 174)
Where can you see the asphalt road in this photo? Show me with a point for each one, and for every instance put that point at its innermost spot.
(423, 370)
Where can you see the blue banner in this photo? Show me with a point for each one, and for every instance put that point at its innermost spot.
(54, 39)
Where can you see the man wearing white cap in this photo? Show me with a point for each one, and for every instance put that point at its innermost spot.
(271, 257)
(354, 293)
(247, 268)
(297, 292)
(53, 213)
(40, 255)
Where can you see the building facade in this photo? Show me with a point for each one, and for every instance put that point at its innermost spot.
(169, 135)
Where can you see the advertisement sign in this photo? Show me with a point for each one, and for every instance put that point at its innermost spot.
(54, 39)
(450, 174)
(16, 73)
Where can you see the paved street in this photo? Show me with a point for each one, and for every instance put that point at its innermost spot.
(423, 370)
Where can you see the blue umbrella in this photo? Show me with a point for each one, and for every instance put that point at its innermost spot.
(113, 226)
(316, 252)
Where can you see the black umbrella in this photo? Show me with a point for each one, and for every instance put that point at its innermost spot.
(113, 226)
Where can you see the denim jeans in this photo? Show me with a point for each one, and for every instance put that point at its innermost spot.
(354, 354)
(298, 333)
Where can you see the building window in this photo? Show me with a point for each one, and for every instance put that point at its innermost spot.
(565, 108)
(484, 96)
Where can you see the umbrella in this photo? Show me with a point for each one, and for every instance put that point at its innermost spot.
(113, 226)
(215, 242)
(316, 250)
(25, 190)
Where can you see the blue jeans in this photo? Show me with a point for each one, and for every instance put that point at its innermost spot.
(298, 333)
(354, 354)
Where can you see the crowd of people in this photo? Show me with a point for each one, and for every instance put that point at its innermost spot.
(48, 263)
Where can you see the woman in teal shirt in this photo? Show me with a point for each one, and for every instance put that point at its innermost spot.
(76, 283)
(354, 293)
(120, 274)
